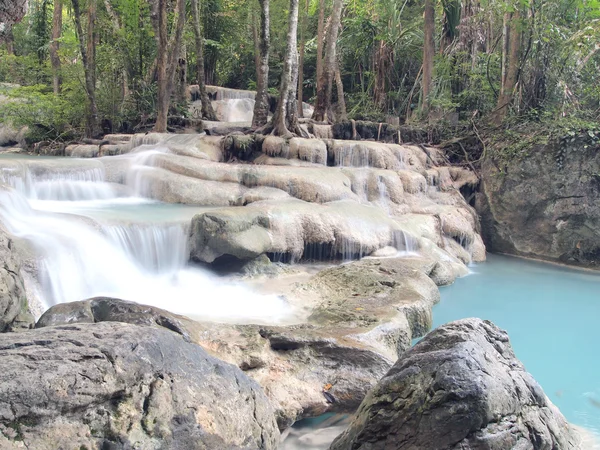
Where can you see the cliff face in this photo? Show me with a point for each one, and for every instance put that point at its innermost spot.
(545, 203)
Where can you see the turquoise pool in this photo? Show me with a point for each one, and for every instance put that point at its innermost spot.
(552, 315)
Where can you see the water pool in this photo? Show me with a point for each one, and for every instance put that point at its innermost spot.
(552, 315)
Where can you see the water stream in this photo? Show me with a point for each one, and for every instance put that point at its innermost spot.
(92, 238)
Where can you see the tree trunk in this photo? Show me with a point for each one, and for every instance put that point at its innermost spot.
(56, 32)
(301, 63)
(161, 68)
(428, 53)
(117, 29)
(342, 115)
(326, 84)
(167, 61)
(91, 128)
(512, 69)
(284, 120)
(320, 39)
(182, 75)
(261, 106)
(207, 109)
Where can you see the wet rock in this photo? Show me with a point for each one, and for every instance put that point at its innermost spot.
(545, 204)
(292, 229)
(14, 308)
(82, 151)
(107, 309)
(461, 387)
(363, 315)
(115, 385)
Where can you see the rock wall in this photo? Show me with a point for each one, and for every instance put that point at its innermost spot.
(545, 204)
(461, 387)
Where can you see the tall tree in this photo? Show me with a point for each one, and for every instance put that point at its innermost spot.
(207, 109)
(428, 53)
(116, 25)
(87, 47)
(324, 90)
(56, 32)
(261, 106)
(301, 62)
(342, 115)
(320, 41)
(167, 59)
(285, 120)
(510, 64)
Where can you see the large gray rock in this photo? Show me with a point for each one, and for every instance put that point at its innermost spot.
(14, 309)
(107, 309)
(115, 385)
(461, 387)
(544, 203)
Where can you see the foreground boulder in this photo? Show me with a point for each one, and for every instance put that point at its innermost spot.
(114, 385)
(461, 387)
(14, 309)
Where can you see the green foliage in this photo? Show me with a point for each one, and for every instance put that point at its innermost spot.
(48, 117)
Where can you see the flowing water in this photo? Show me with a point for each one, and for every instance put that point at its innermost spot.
(94, 238)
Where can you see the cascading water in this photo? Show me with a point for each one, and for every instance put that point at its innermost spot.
(114, 242)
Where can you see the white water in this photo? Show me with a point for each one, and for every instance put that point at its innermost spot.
(91, 239)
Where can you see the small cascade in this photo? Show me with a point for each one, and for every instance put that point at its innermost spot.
(360, 184)
(234, 110)
(156, 247)
(384, 199)
(405, 242)
(222, 93)
(350, 154)
(142, 165)
(68, 184)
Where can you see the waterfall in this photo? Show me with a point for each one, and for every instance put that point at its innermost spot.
(58, 183)
(234, 110)
(127, 247)
(405, 242)
(384, 199)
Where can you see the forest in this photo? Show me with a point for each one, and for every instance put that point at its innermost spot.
(89, 67)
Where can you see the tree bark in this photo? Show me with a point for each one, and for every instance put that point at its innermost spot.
(9, 39)
(320, 39)
(91, 128)
(261, 105)
(342, 115)
(161, 67)
(512, 69)
(54, 45)
(301, 62)
(182, 75)
(428, 53)
(207, 109)
(117, 29)
(285, 121)
(326, 85)
(167, 62)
